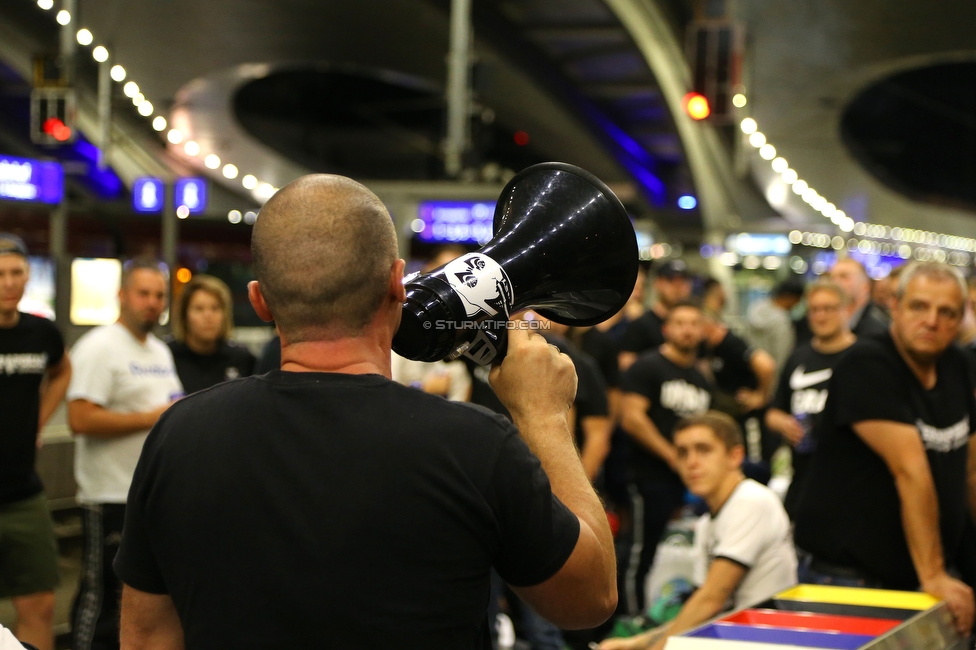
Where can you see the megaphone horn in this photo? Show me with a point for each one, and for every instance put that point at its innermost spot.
(563, 246)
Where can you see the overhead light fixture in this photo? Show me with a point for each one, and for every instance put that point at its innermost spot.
(130, 89)
(191, 148)
(159, 123)
(100, 54)
(175, 136)
(212, 161)
(767, 152)
(757, 139)
(146, 109)
(63, 18)
(84, 37)
(249, 182)
(117, 73)
(748, 126)
(738, 100)
(230, 171)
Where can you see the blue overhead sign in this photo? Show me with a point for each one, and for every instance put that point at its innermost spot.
(463, 222)
(191, 192)
(147, 194)
(24, 179)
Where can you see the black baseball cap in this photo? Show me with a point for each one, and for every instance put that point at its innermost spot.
(673, 269)
(10, 243)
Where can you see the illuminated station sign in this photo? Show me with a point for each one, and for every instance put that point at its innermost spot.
(462, 222)
(24, 179)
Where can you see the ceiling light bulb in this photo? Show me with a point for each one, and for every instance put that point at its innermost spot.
(117, 73)
(100, 54)
(748, 126)
(146, 109)
(46, 5)
(191, 148)
(84, 37)
(212, 161)
(130, 89)
(63, 17)
(230, 171)
(757, 139)
(159, 123)
(790, 176)
(175, 136)
(767, 152)
(249, 182)
(780, 165)
(738, 100)
(800, 186)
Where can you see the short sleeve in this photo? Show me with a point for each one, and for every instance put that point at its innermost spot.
(867, 384)
(91, 376)
(640, 378)
(537, 532)
(745, 532)
(55, 345)
(135, 563)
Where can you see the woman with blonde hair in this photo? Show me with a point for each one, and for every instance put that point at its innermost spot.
(202, 324)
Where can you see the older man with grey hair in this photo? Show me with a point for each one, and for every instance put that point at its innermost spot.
(323, 504)
(892, 481)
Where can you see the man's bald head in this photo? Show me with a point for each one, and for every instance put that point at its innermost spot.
(323, 248)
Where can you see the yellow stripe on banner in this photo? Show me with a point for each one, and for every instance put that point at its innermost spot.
(854, 596)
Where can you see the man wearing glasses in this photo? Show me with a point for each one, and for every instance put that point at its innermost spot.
(888, 490)
(802, 391)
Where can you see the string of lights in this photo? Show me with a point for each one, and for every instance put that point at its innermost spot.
(261, 191)
(887, 240)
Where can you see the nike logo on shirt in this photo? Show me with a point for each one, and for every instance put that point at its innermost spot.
(800, 380)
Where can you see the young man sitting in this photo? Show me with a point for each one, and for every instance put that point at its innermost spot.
(743, 546)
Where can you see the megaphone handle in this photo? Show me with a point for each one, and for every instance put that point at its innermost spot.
(489, 344)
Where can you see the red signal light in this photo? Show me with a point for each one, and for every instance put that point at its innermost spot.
(57, 129)
(521, 138)
(696, 106)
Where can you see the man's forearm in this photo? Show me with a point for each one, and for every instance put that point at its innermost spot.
(641, 428)
(596, 444)
(920, 522)
(100, 422)
(52, 394)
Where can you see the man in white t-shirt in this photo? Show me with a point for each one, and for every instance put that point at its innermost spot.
(124, 379)
(743, 546)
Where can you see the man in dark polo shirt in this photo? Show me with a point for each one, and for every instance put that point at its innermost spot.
(888, 490)
(660, 388)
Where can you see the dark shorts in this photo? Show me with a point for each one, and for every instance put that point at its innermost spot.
(28, 550)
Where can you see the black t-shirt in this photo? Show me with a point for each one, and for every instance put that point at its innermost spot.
(731, 364)
(199, 371)
(296, 510)
(802, 392)
(872, 324)
(674, 392)
(604, 350)
(27, 350)
(643, 333)
(849, 512)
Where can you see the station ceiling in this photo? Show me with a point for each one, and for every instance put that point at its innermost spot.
(287, 87)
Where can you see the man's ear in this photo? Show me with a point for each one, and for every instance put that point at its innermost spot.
(258, 302)
(396, 281)
(737, 455)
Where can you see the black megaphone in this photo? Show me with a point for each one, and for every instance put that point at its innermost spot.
(563, 246)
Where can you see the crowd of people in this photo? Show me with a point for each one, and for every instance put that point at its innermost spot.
(346, 492)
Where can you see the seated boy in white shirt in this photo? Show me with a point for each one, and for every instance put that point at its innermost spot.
(743, 546)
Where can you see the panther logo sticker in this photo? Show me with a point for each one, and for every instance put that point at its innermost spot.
(481, 283)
